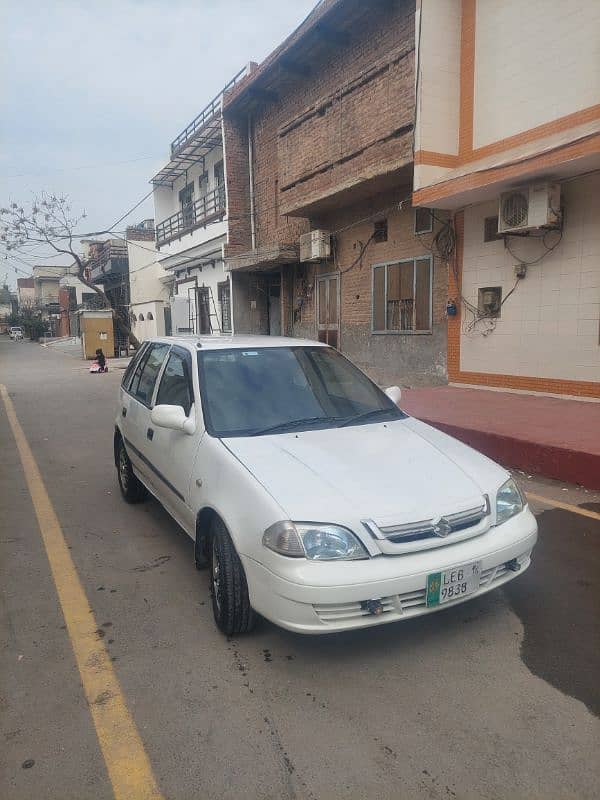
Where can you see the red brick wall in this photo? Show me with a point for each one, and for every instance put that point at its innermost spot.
(407, 359)
(235, 136)
(349, 139)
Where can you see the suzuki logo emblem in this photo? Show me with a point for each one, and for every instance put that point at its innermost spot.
(441, 527)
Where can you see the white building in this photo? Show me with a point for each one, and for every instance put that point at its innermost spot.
(150, 286)
(508, 141)
(190, 208)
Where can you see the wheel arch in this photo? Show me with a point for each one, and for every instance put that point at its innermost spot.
(204, 520)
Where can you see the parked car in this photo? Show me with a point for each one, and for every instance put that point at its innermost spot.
(16, 332)
(313, 499)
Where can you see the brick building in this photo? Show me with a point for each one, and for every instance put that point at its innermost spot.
(508, 143)
(319, 137)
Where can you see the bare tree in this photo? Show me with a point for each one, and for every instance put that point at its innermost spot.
(50, 221)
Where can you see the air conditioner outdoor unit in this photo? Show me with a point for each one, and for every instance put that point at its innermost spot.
(315, 246)
(529, 207)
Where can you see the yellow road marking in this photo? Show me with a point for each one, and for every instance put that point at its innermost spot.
(548, 501)
(128, 766)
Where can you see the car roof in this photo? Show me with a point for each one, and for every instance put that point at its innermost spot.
(237, 341)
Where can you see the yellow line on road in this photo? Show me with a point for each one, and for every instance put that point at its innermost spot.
(548, 501)
(128, 766)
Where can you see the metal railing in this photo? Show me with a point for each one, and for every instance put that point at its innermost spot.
(100, 262)
(207, 113)
(201, 212)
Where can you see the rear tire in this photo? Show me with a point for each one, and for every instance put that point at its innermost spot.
(228, 587)
(132, 489)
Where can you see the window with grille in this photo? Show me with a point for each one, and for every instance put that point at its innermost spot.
(402, 296)
(423, 220)
(380, 230)
(490, 230)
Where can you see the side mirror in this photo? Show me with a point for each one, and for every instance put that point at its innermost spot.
(394, 393)
(172, 417)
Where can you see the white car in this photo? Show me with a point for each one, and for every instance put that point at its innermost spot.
(314, 500)
(16, 332)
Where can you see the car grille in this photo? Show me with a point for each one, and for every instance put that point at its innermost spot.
(415, 531)
(399, 606)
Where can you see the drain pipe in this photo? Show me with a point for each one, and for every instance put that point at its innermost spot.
(251, 175)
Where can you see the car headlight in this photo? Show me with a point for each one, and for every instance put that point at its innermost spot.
(319, 542)
(509, 501)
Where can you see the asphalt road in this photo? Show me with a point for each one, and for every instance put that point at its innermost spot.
(491, 699)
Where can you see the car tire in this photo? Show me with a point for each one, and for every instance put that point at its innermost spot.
(132, 489)
(228, 587)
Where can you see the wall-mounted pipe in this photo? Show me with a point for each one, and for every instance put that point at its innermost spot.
(251, 175)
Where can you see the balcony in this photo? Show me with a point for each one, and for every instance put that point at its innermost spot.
(200, 213)
(196, 140)
(47, 302)
(109, 262)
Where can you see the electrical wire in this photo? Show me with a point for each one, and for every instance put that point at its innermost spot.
(76, 169)
(541, 258)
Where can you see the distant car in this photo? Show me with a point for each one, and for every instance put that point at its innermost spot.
(16, 332)
(314, 500)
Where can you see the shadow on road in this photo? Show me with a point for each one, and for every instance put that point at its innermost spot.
(559, 605)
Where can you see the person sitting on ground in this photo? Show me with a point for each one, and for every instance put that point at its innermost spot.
(101, 359)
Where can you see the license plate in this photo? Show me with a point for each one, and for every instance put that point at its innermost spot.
(452, 584)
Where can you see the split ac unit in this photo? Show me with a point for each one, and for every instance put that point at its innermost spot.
(529, 207)
(315, 246)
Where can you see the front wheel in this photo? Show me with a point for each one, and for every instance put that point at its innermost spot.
(132, 489)
(229, 589)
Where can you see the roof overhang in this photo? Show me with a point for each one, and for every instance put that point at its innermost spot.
(194, 256)
(557, 159)
(263, 258)
(195, 149)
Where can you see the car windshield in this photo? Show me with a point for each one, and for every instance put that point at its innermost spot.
(278, 389)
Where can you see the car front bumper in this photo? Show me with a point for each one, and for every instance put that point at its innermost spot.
(309, 597)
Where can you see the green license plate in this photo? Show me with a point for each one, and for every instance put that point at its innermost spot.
(452, 584)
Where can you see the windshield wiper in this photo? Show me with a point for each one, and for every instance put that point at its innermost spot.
(293, 423)
(365, 415)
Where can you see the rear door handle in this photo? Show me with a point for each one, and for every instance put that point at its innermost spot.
(150, 434)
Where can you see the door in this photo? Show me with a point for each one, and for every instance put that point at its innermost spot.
(274, 305)
(186, 202)
(168, 323)
(203, 304)
(172, 453)
(328, 309)
(137, 429)
(224, 295)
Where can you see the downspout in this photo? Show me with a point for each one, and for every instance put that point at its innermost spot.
(251, 176)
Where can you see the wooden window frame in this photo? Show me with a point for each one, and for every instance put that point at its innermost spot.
(386, 265)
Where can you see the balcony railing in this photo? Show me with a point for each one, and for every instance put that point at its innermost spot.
(213, 108)
(199, 213)
(108, 258)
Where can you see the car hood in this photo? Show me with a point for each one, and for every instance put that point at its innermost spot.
(391, 472)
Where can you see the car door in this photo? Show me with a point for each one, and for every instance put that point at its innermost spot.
(173, 452)
(137, 431)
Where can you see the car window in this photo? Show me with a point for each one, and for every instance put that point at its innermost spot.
(175, 385)
(144, 376)
(132, 365)
(244, 392)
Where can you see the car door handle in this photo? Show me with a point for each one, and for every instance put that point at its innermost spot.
(150, 434)
(123, 412)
